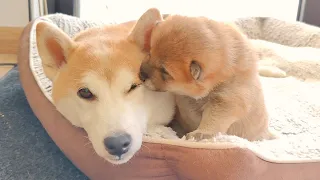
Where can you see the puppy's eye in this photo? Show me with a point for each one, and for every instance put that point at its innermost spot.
(164, 71)
(156, 23)
(164, 74)
(133, 87)
(85, 93)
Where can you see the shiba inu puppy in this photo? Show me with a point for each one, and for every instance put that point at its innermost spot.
(212, 68)
(96, 86)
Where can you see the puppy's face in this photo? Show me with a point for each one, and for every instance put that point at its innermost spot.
(187, 57)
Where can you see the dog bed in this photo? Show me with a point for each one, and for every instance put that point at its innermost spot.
(292, 101)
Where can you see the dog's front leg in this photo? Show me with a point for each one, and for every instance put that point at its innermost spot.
(216, 118)
(160, 131)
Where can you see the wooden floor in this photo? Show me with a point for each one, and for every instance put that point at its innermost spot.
(6, 58)
(9, 41)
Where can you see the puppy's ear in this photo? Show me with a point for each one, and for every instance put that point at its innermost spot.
(53, 46)
(195, 70)
(141, 33)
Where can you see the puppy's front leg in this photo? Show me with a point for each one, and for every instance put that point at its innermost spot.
(216, 118)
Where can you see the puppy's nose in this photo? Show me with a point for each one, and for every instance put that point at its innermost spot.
(143, 76)
(118, 144)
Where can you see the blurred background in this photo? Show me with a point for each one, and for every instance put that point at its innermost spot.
(124, 10)
(15, 14)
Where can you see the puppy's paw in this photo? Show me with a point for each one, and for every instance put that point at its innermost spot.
(200, 135)
(270, 135)
(271, 71)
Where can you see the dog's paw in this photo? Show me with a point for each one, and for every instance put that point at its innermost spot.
(200, 135)
(161, 132)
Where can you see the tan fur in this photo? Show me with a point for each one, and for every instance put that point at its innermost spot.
(227, 97)
(106, 60)
(86, 51)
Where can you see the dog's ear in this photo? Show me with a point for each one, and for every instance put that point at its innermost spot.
(141, 33)
(53, 46)
(195, 70)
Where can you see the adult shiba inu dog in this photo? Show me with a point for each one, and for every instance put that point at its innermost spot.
(212, 68)
(96, 86)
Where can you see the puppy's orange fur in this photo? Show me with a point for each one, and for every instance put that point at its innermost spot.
(212, 69)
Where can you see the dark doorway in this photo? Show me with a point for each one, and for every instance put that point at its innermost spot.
(309, 12)
(61, 6)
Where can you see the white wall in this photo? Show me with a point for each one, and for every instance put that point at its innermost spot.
(124, 10)
(14, 13)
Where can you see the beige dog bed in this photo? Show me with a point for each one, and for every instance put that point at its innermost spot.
(292, 101)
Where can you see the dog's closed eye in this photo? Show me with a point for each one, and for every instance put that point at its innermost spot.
(133, 87)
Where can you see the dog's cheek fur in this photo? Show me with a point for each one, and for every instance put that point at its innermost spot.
(72, 114)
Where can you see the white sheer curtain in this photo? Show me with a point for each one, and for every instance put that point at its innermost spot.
(38, 8)
(124, 10)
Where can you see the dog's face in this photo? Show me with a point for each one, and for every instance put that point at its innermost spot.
(187, 56)
(96, 86)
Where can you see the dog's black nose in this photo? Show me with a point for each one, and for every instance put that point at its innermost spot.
(143, 75)
(118, 144)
